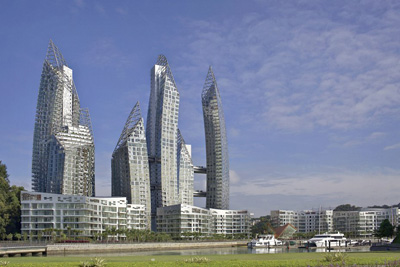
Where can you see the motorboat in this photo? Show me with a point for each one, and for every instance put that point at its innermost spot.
(327, 240)
(264, 241)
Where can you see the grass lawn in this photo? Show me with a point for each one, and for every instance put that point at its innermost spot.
(273, 260)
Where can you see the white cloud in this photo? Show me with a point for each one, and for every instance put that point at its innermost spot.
(308, 71)
(348, 186)
(395, 146)
(376, 135)
(234, 178)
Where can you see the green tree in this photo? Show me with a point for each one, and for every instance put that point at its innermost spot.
(386, 229)
(10, 204)
(25, 236)
(10, 237)
(263, 226)
(18, 236)
(14, 209)
(346, 207)
(4, 188)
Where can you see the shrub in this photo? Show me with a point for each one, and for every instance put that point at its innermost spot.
(197, 260)
(335, 257)
(96, 262)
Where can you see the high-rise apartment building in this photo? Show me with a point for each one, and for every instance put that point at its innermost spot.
(216, 145)
(162, 138)
(63, 146)
(130, 166)
(185, 172)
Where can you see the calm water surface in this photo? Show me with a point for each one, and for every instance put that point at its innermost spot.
(219, 251)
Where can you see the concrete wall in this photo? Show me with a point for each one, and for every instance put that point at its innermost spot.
(84, 248)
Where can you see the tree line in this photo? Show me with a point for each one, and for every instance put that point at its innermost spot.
(10, 206)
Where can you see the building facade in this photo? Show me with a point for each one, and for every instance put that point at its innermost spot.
(306, 221)
(91, 216)
(178, 220)
(359, 223)
(185, 172)
(364, 222)
(162, 139)
(130, 176)
(63, 146)
(230, 222)
(283, 217)
(216, 145)
(319, 221)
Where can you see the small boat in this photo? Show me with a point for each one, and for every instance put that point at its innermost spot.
(263, 241)
(327, 240)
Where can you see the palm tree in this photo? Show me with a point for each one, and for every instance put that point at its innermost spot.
(68, 231)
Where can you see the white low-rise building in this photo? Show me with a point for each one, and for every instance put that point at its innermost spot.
(283, 217)
(364, 222)
(360, 223)
(306, 221)
(179, 219)
(91, 216)
(230, 222)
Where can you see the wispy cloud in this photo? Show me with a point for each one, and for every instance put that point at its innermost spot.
(307, 72)
(105, 53)
(353, 140)
(121, 11)
(99, 9)
(234, 177)
(79, 3)
(395, 146)
(330, 185)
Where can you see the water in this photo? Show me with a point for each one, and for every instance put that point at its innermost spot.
(221, 251)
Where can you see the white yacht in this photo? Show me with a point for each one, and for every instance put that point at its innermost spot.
(264, 241)
(323, 240)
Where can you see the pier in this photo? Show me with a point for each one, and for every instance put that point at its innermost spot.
(23, 251)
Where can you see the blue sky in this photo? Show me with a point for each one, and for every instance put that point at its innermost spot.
(310, 89)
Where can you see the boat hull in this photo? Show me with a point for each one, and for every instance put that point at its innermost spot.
(326, 244)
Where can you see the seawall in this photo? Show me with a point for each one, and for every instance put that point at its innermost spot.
(58, 249)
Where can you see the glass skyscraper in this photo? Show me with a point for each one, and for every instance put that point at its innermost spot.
(63, 146)
(130, 166)
(216, 145)
(185, 172)
(162, 138)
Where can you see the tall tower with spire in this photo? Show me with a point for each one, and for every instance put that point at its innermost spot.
(216, 145)
(130, 166)
(63, 146)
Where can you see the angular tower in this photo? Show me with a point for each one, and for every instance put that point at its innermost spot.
(185, 172)
(163, 140)
(216, 146)
(161, 135)
(130, 166)
(63, 146)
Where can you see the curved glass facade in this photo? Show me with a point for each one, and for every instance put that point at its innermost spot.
(216, 145)
(129, 164)
(63, 146)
